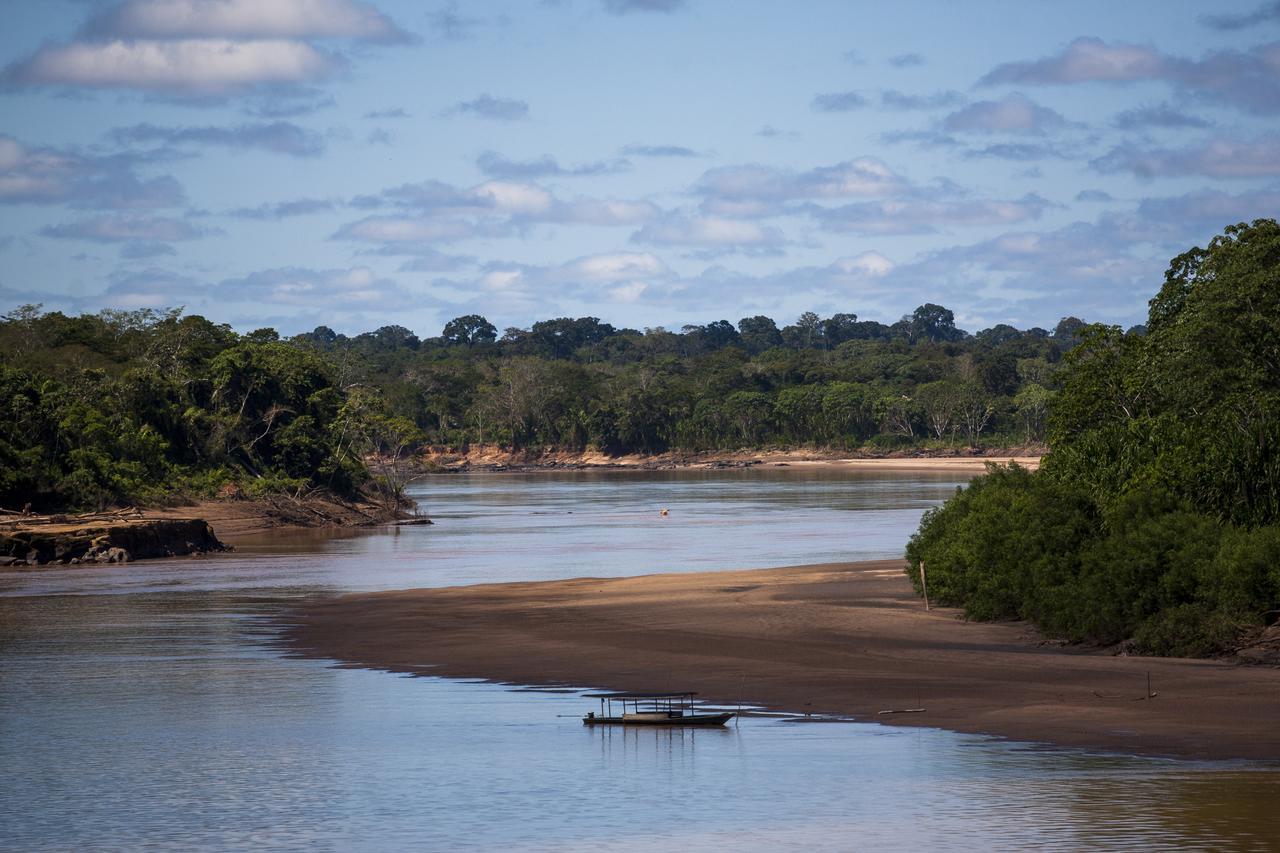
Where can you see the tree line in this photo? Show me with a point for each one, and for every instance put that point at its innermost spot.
(135, 405)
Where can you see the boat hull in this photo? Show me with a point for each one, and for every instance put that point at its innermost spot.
(659, 720)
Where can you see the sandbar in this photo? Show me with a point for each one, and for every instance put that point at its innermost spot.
(835, 639)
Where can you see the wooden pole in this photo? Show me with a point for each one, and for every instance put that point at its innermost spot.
(924, 586)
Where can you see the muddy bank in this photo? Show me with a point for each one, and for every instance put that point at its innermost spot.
(849, 639)
(493, 458)
(63, 540)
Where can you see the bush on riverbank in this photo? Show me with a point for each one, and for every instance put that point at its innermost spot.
(1156, 516)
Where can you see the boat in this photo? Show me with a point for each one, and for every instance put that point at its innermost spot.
(651, 709)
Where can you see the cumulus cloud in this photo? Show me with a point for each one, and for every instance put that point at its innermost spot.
(712, 231)
(207, 49)
(1157, 115)
(487, 106)
(241, 19)
(921, 138)
(506, 206)
(392, 230)
(496, 166)
(245, 19)
(187, 66)
(430, 260)
(869, 264)
(1013, 113)
(1206, 211)
(1264, 14)
(922, 217)
(603, 212)
(1094, 195)
(1246, 80)
(356, 287)
(621, 277)
(124, 228)
(437, 211)
(280, 137)
(44, 175)
(613, 267)
(658, 151)
(1016, 151)
(289, 102)
(284, 209)
(451, 25)
(150, 288)
(895, 100)
(393, 112)
(1084, 60)
(1215, 158)
(626, 7)
(141, 249)
(755, 189)
(906, 60)
(839, 102)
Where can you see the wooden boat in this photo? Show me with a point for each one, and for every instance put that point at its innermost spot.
(651, 709)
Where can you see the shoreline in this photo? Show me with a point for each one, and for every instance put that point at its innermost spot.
(237, 518)
(488, 458)
(844, 639)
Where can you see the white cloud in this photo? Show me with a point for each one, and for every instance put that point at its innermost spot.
(513, 198)
(918, 217)
(707, 231)
(1215, 158)
(1012, 114)
(755, 190)
(868, 264)
(402, 229)
(1085, 60)
(614, 267)
(43, 175)
(500, 281)
(1244, 79)
(149, 288)
(487, 106)
(435, 211)
(281, 137)
(114, 229)
(628, 293)
(189, 66)
(245, 19)
(589, 211)
(353, 287)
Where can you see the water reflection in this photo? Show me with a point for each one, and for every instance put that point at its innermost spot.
(144, 707)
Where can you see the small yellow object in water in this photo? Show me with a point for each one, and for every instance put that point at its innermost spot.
(665, 512)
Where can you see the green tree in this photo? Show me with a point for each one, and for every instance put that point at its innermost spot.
(468, 330)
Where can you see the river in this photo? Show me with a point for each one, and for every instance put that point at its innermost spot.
(148, 707)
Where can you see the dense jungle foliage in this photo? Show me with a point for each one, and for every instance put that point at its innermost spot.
(137, 406)
(1156, 516)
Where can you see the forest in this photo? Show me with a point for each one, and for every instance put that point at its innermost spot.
(1154, 521)
(147, 406)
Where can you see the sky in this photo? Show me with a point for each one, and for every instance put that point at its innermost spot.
(295, 163)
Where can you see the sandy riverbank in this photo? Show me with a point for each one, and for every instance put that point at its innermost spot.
(845, 638)
(491, 458)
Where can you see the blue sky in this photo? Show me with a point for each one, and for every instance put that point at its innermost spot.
(650, 162)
